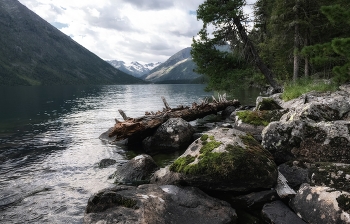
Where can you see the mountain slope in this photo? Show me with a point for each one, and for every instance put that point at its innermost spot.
(33, 52)
(178, 67)
(135, 68)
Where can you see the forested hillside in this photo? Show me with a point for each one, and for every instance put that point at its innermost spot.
(290, 40)
(33, 52)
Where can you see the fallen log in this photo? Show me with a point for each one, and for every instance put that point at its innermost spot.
(136, 129)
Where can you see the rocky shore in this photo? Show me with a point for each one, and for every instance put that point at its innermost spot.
(278, 162)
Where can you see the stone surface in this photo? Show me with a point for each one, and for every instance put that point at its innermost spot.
(315, 142)
(254, 199)
(322, 204)
(106, 163)
(224, 159)
(333, 175)
(278, 213)
(266, 103)
(157, 205)
(174, 134)
(295, 172)
(228, 111)
(137, 170)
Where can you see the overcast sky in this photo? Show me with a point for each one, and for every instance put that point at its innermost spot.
(126, 30)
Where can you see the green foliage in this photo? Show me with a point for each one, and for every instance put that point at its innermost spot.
(294, 90)
(263, 117)
(219, 55)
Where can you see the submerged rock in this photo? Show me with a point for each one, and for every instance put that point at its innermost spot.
(322, 204)
(157, 204)
(173, 135)
(135, 171)
(106, 163)
(224, 159)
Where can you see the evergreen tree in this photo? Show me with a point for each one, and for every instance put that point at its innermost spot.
(225, 18)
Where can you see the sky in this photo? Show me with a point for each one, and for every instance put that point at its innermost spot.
(127, 30)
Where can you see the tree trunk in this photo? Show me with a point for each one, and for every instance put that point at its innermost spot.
(256, 58)
(296, 43)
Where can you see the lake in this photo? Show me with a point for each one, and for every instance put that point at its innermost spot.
(49, 145)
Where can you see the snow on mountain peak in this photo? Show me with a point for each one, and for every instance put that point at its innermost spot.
(134, 68)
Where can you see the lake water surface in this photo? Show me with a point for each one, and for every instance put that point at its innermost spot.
(49, 146)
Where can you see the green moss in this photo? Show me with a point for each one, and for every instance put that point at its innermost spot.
(263, 117)
(181, 163)
(209, 146)
(344, 202)
(231, 165)
(204, 137)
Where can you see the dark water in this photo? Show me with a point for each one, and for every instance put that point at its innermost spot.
(49, 146)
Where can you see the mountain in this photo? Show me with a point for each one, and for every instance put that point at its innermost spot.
(134, 68)
(179, 68)
(33, 52)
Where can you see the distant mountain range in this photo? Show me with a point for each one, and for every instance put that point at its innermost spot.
(33, 52)
(179, 68)
(134, 68)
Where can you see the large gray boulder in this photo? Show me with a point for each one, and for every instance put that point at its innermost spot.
(322, 205)
(157, 204)
(174, 134)
(315, 142)
(223, 159)
(135, 171)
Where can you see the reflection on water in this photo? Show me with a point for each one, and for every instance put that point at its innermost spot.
(49, 146)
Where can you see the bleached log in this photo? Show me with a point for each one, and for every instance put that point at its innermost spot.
(139, 128)
(123, 115)
(166, 103)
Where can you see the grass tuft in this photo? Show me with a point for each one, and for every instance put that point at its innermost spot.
(294, 90)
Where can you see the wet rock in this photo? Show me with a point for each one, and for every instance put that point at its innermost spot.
(106, 163)
(278, 213)
(137, 170)
(225, 159)
(302, 140)
(282, 188)
(322, 204)
(173, 135)
(157, 204)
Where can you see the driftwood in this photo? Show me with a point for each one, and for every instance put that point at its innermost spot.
(139, 128)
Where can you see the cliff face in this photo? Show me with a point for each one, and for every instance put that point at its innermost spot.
(33, 52)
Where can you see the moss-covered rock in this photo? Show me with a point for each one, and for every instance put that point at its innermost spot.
(257, 118)
(226, 159)
(334, 175)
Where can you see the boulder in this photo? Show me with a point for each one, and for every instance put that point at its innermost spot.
(278, 213)
(322, 204)
(135, 171)
(317, 106)
(157, 204)
(253, 122)
(266, 103)
(333, 175)
(228, 111)
(224, 159)
(295, 172)
(253, 199)
(302, 140)
(174, 134)
(106, 163)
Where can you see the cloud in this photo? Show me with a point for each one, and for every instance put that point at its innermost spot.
(128, 30)
(151, 5)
